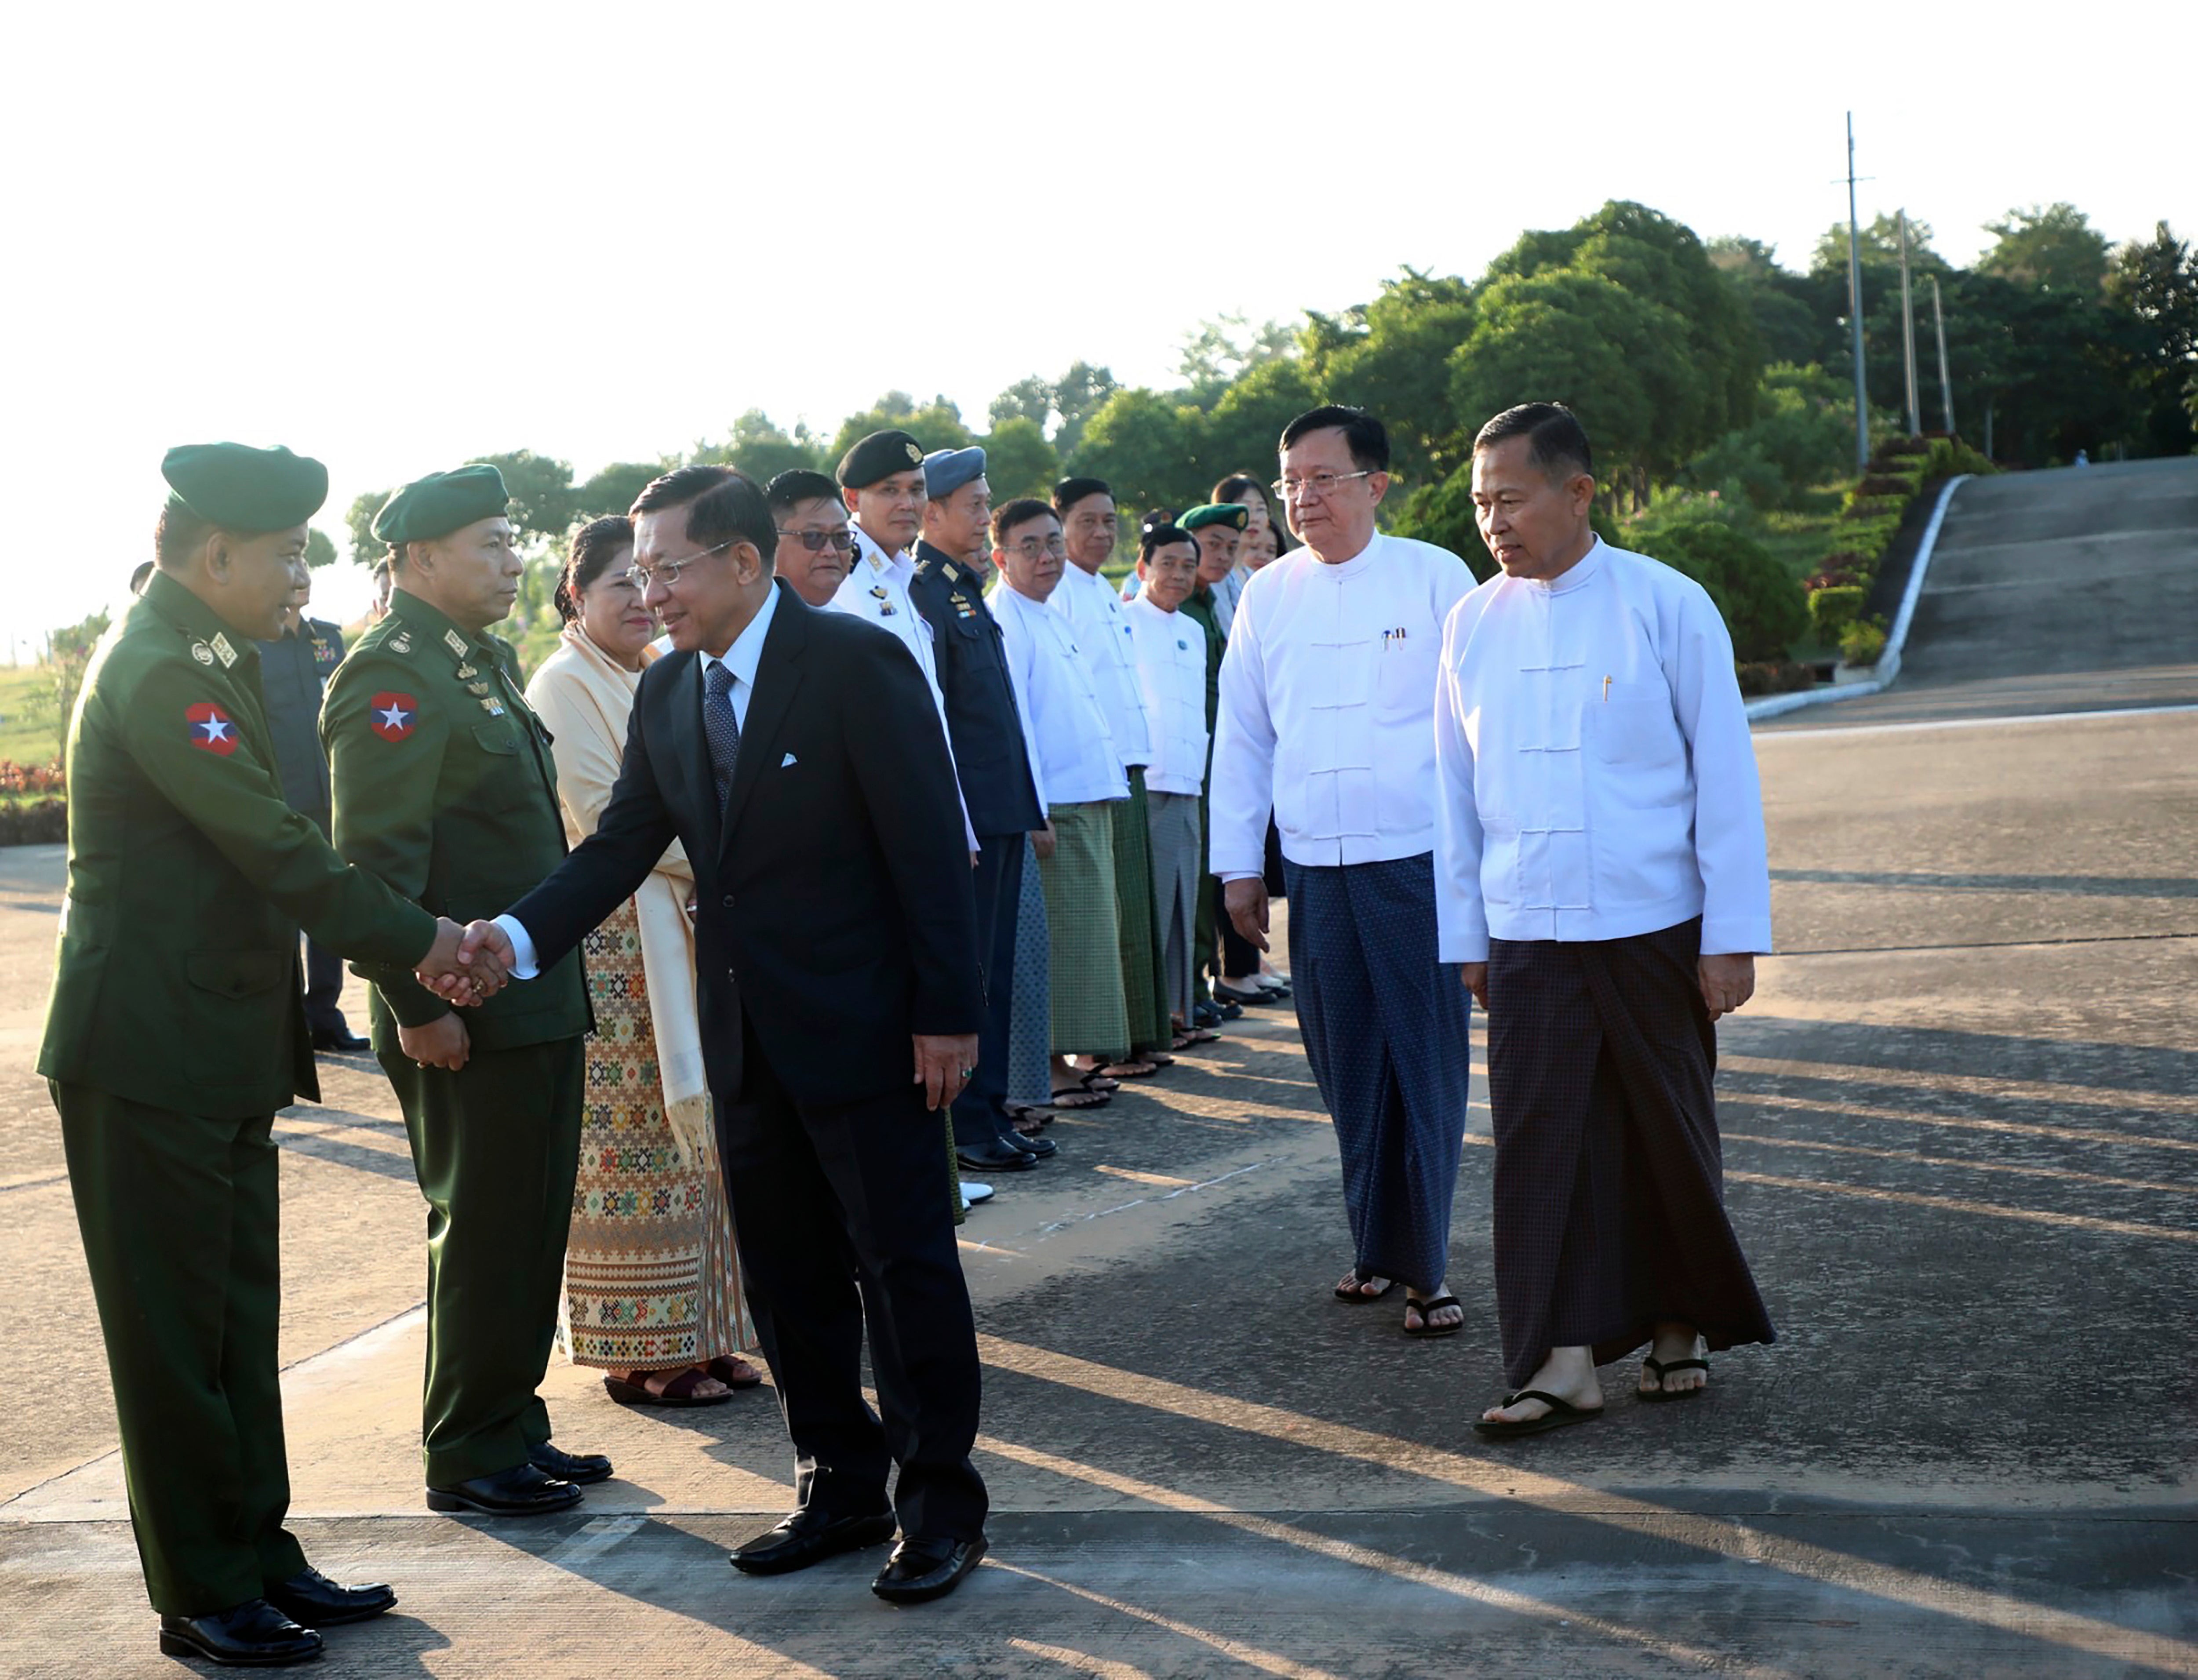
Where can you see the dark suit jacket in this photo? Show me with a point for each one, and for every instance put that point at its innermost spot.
(981, 714)
(836, 911)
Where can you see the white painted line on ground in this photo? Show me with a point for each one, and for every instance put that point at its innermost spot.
(1994, 723)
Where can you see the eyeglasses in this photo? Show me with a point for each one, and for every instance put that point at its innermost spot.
(1030, 547)
(1318, 484)
(817, 541)
(666, 572)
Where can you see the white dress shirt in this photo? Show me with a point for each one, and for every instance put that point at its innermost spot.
(1076, 755)
(742, 658)
(1101, 626)
(1596, 778)
(876, 590)
(1327, 691)
(1170, 650)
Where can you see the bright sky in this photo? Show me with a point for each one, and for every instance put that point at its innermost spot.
(401, 235)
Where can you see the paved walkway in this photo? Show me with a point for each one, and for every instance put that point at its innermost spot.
(1960, 1121)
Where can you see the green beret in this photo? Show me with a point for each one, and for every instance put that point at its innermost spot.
(1235, 514)
(441, 502)
(878, 455)
(245, 489)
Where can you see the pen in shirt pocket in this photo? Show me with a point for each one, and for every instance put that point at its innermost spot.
(1605, 691)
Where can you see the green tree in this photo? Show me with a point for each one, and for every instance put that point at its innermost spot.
(541, 492)
(1241, 431)
(2154, 287)
(613, 489)
(1878, 245)
(1784, 305)
(762, 450)
(358, 526)
(935, 425)
(1660, 262)
(1622, 363)
(1761, 601)
(1077, 395)
(2055, 248)
(1018, 460)
(1390, 357)
(1141, 443)
(1802, 437)
(1225, 348)
(319, 549)
(1029, 398)
(68, 656)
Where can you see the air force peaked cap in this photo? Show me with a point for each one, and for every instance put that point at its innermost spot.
(878, 455)
(946, 470)
(245, 489)
(1234, 515)
(441, 502)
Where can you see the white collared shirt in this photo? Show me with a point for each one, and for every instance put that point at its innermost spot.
(876, 590)
(1101, 625)
(742, 658)
(1327, 708)
(1170, 650)
(1076, 756)
(1596, 778)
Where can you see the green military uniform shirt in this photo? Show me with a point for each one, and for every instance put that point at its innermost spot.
(445, 788)
(189, 876)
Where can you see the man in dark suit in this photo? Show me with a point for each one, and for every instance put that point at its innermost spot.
(797, 756)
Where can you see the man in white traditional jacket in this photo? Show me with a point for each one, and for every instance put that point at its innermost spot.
(1171, 671)
(1327, 718)
(1601, 823)
(1085, 508)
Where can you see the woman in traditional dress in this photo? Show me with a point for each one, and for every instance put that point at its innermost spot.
(652, 1285)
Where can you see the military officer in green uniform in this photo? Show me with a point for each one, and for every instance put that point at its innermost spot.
(174, 1032)
(445, 788)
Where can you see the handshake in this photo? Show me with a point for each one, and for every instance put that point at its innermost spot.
(466, 966)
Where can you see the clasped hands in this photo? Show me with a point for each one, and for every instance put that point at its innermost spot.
(466, 966)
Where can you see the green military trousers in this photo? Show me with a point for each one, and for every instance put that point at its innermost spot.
(179, 1215)
(495, 1147)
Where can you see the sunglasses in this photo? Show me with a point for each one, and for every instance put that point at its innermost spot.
(817, 541)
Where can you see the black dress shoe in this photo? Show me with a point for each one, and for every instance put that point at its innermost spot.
(922, 1569)
(999, 1156)
(1205, 1015)
(582, 1469)
(251, 1634)
(1037, 1149)
(311, 1599)
(520, 1491)
(340, 1039)
(810, 1537)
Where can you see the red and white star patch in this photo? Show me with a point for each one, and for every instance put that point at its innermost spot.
(211, 728)
(393, 715)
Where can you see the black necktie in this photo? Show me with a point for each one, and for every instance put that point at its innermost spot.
(722, 728)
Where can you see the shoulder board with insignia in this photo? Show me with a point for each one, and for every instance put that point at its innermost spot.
(201, 653)
(400, 643)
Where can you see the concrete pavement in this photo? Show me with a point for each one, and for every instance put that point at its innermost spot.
(1960, 1122)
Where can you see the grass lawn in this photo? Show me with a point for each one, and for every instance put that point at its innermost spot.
(28, 732)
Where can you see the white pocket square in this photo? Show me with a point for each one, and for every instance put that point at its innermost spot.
(785, 761)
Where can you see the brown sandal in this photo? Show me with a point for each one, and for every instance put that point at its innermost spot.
(679, 1392)
(734, 1371)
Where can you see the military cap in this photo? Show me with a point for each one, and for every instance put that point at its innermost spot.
(878, 455)
(1234, 515)
(245, 489)
(441, 502)
(946, 470)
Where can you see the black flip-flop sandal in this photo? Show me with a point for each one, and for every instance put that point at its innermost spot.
(1663, 1368)
(1426, 1309)
(1357, 1297)
(679, 1392)
(734, 1372)
(1560, 1412)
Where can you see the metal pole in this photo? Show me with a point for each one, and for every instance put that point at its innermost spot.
(1945, 380)
(1908, 336)
(1854, 312)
